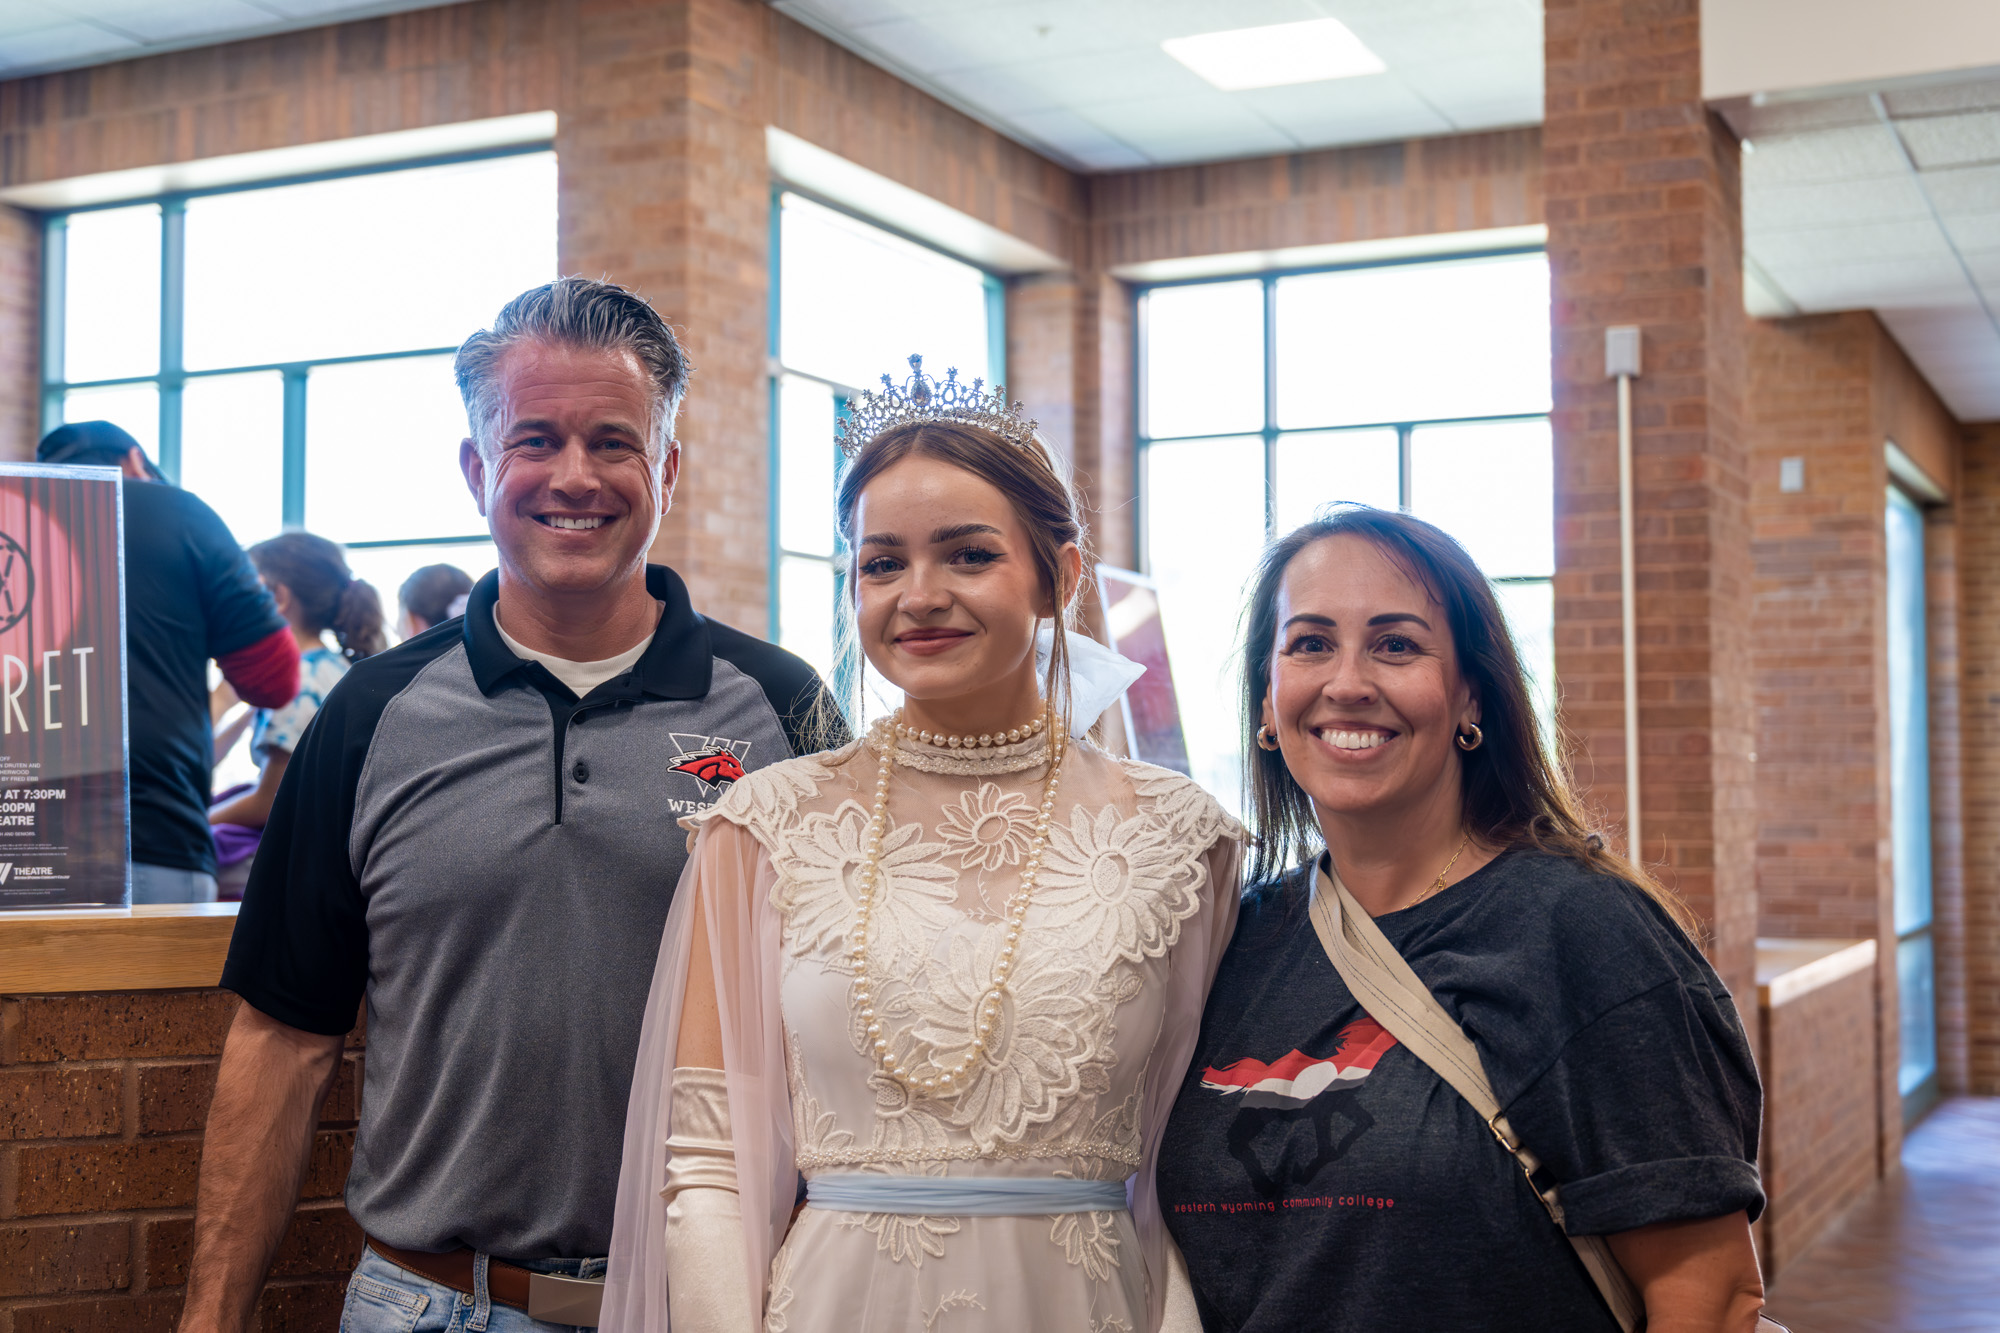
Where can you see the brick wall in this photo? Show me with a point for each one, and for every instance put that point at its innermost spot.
(102, 1102)
(1461, 183)
(20, 333)
(1978, 929)
(1819, 1149)
(1642, 198)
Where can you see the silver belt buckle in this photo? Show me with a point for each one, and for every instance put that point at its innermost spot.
(565, 1300)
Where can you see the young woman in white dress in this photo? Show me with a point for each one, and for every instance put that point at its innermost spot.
(951, 974)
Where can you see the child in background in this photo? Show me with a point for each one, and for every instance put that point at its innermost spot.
(309, 579)
(433, 594)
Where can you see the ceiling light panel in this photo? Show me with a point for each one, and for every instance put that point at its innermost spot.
(1272, 56)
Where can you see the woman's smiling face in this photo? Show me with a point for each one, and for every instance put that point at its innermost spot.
(1365, 693)
(946, 589)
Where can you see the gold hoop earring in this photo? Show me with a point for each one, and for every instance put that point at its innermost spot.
(1267, 739)
(1478, 737)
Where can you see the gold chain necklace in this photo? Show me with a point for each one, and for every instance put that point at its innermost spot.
(930, 1074)
(1438, 886)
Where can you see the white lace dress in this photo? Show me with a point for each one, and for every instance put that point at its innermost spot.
(1132, 907)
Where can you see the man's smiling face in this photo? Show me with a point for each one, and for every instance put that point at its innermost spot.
(570, 481)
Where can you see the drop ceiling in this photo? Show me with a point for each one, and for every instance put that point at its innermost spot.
(1089, 85)
(37, 36)
(1887, 201)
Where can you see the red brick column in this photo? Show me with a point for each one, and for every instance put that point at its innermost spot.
(20, 334)
(665, 187)
(103, 1099)
(1978, 926)
(1069, 363)
(1642, 199)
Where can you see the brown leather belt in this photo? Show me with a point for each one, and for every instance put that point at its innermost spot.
(504, 1282)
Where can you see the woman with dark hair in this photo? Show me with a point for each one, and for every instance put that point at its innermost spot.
(315, 592)
(431, 596)
(950, 973)
(1317, 1171)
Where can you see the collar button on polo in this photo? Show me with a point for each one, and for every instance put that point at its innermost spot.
(581, 772)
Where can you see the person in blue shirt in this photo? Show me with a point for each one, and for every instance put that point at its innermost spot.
(317, 594)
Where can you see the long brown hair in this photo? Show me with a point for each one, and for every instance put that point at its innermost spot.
(1027, 475)
(1512, 792)
(328, 595)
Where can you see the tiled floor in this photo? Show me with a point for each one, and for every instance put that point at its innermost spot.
(1923, 1254)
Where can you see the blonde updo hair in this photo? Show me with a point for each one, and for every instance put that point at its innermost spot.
(1028, 475)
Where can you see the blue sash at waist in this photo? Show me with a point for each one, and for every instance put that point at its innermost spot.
(964, 1196)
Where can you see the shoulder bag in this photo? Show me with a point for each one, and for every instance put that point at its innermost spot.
(1394, 996)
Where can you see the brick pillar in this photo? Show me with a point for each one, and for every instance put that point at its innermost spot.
(1645, 227)
(665, 187)
(20, 334)
(1069, 350)
(1979, 655)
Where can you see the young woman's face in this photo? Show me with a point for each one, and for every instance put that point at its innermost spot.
(1365, 692)
(946, 590)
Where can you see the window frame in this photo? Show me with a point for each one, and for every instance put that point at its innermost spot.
(171, 377)
(995, 374)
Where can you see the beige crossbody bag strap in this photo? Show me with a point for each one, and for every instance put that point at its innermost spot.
(1397, 998)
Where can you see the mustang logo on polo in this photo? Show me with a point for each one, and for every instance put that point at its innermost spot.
(712, 761)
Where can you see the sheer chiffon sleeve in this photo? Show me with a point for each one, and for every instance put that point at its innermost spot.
(1204, 937)
(730, 876)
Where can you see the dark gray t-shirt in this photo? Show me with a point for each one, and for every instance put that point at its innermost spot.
(1317, 1175)
(489, 859)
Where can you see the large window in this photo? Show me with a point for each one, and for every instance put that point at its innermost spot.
(284, 352)
(1421, 386)
(1910, 802)
(851, 303)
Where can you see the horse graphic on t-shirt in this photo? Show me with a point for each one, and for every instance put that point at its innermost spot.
(1298, 1086)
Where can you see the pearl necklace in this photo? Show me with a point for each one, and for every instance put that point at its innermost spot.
(985, 741)
(930, 1075)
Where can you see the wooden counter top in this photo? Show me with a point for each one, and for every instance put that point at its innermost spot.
(1788, 968)
(172, 947)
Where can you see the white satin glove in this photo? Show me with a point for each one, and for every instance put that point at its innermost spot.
(706, 1265)
(1182, 1314)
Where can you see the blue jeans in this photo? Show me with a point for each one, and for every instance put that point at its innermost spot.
(382, 1298)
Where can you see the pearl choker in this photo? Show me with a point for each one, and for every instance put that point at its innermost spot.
(986, 741)
(932, 1072)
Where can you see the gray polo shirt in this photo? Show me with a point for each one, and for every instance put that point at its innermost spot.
(489, 859)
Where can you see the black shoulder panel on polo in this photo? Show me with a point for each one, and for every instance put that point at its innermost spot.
(794, 689)
(310, 974)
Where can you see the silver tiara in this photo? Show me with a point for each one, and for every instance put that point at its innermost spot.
(924, 399)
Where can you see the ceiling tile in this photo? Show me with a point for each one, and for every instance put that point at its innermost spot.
(841, 13)
(1881, 285)
(1974, 233)
(1965, 191)
(1189, 129)
(1772, 207)
(1917, 238)
(1823, 155)
(1475, 92)
(1969, 387)
(1117, 76)
(1340, 111)
(932, 51)
(1961, 95)
(62, 44)
(1067, 132)
(1953, 141)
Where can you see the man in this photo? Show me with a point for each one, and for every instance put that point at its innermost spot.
(190, 594)
(479, 831)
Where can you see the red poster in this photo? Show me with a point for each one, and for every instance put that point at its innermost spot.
(1152, 708)
(64, 815)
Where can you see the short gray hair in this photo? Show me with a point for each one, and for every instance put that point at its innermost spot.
(576, 312)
